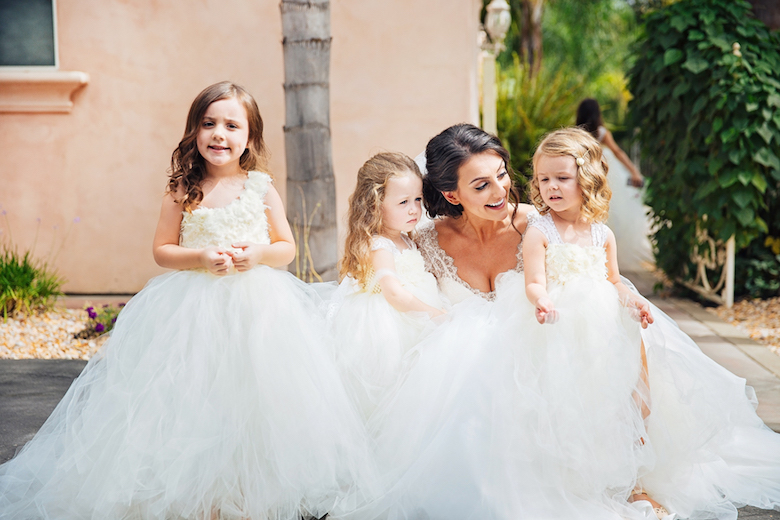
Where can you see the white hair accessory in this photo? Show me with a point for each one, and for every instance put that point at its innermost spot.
(580, 161)
(421, 162)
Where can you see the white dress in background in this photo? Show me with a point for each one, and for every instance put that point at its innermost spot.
(213, 396)
(628, 216)
(371, 336)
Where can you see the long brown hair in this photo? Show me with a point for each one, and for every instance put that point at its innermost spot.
(188, 167)
(365, 211)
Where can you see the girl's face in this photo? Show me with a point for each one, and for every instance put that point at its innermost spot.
(557, 177)
(483, 187)
(402, 205)
(223, 135)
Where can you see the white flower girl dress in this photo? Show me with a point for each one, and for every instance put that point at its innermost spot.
(371, 336)
(215, 397)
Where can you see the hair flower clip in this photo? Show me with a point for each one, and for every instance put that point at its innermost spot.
(580, 161)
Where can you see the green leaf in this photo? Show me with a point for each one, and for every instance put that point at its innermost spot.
(700, 103)
(681, 22)
(765, 157)
(776, 174)
(681, 89)
(736, 155)
(720, 42)
(696, 64)
(751, 107)
(761, 223)
(707, 16)
(745, 177)
(705, 190)
(773, 100)
(672, 56)
(728, 179)
(742, 197)
(765, 132)
(745, 215)
(717, 125)
(695, 35)
(729, 135)
(759, 181)
(767, 113)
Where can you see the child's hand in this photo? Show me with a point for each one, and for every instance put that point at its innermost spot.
(216, 260)
(639, 308)
(545, 311)
(250, 255)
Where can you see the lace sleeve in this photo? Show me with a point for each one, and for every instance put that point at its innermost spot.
(428, 245)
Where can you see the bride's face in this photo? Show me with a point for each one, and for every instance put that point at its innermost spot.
(483, 187)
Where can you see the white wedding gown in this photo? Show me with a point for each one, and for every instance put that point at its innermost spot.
(213, 396)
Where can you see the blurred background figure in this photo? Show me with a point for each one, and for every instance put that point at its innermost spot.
(628, 216)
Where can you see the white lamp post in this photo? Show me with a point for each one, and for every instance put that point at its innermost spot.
(497, 21)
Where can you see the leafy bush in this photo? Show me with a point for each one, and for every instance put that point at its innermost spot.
(706, 88)
(26, 285)
(530, 106)
(101, 321)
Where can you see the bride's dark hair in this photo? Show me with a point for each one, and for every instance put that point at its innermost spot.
(589, 116)
(444, 156)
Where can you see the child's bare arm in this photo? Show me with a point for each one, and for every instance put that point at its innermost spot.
(534, 251)
(401, 299)
(631, 299)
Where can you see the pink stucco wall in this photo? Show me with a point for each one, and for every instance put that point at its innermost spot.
(401, 71)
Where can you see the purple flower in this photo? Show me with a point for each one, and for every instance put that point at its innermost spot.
(77, 220)
(99, 327)
(122, 305)
(91, 313)
(113, 320)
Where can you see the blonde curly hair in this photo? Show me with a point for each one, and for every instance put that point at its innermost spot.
(364, 219)
(591, 174)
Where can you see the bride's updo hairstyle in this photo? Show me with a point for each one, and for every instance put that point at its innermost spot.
(444, 156)
(592, 171)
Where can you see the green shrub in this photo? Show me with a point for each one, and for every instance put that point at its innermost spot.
(706, 86)
(26, 285)
(530, 106)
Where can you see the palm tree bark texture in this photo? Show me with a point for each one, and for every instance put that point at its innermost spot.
(311, 186)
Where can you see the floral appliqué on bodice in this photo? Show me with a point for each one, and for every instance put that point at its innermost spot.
(409, 265)
(242, 220)
(443, 267)
(566, 262)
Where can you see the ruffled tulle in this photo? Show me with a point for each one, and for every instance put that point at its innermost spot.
(214, 395)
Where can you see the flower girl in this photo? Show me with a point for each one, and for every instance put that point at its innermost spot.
(386, 297)
(685, 429)
(216, 395)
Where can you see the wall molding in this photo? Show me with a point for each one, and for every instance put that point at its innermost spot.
(39, 91)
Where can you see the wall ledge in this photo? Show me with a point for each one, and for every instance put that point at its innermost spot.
(39, 91)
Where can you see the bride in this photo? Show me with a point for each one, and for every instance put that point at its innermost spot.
(462, 436)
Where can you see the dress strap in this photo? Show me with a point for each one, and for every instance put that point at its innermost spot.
(598, 234)
(546, 225)
(379, 242)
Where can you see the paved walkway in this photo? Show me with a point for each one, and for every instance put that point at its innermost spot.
(30, 389)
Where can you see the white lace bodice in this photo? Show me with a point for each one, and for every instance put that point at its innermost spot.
(409, 266)
(442, 266)
(242, 220)
(565, 262)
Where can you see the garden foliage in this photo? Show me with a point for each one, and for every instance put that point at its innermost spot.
(706, 86)
(26, 285)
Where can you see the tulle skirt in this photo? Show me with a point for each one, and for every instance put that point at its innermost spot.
(214, 397)
(371, 339)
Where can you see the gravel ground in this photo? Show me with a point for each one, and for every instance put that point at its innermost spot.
(759, 318)
(47, 336)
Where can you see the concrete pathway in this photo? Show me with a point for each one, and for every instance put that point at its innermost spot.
(30, 389)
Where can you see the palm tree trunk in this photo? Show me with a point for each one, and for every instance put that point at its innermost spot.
(311, 187)
(532, 33)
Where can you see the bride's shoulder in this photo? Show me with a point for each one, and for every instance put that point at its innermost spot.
(522, 215)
